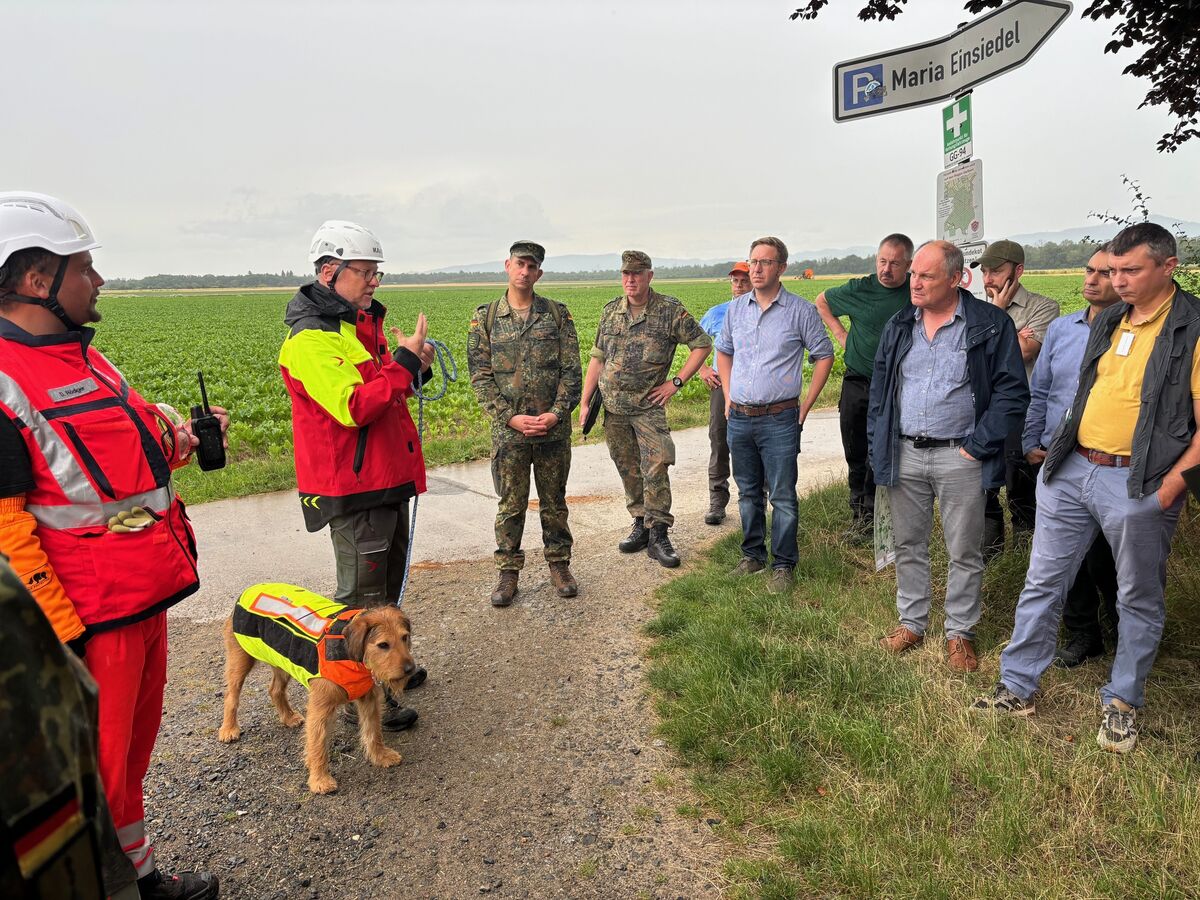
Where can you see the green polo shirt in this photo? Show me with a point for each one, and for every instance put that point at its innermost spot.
(869, 305)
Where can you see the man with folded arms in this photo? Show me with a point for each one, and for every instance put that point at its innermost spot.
(868, 303)
(948, 387)
(760, 357)
(1115, 466)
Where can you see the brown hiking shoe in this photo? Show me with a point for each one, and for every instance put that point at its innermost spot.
(562, 579)
(900, 639)
(506, 587)
(960, 655)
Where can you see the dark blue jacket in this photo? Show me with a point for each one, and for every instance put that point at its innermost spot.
(998, 388)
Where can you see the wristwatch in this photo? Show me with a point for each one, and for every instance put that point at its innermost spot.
(677, 381)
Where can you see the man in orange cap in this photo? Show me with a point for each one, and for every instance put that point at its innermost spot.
(718, 457)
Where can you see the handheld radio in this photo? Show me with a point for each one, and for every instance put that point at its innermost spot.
(207, 428)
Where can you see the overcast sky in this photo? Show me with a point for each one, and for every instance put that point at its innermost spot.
(215, 137)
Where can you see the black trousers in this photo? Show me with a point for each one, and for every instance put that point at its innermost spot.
(852, 410)
(1091, 605)
(1020, 481)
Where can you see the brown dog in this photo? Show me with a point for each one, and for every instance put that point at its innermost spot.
(339, 653)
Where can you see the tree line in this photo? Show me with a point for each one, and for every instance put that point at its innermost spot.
(1051, 255)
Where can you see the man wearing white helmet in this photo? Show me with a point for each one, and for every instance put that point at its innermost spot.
(89, 517)
(358, 455)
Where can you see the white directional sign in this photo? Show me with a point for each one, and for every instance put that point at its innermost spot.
(941, 68)
(960, 203)
(956, 131)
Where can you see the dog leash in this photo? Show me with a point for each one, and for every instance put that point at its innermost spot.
(441, 354)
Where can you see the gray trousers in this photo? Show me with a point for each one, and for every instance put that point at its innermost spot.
(718, 454)
(369, 547)
(1082, 500)
(956, 483)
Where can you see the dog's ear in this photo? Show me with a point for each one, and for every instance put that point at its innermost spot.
(356, 635)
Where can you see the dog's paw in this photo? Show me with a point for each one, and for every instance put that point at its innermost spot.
(293, 721)
(387, 758)
(230, 734)
(322, 784)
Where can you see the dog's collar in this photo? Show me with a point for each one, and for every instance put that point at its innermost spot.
(335, 641)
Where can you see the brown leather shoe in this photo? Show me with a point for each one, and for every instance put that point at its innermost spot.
(900, 639)
(562, 579)
(506, 587)
(961, 655)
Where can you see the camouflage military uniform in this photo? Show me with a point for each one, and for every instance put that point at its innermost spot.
(59, 839)
(527, 367)
(637, 354)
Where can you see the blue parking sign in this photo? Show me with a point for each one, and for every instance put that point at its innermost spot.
(863, 87)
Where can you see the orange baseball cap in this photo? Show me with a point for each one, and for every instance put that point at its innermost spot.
(740, 267)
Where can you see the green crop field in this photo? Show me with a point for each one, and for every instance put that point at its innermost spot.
(160, 339)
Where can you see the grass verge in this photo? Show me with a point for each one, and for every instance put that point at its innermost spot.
(840, 771)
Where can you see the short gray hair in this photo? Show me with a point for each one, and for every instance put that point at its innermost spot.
(1160, 243)
(903, 241)
(951, 255)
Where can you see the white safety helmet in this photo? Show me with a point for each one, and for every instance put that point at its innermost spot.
(344, 241)
(35, 220)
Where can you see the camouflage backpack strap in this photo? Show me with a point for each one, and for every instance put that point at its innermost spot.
(555, 310)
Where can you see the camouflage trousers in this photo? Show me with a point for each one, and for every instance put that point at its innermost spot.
(642, 449)
(551, 463)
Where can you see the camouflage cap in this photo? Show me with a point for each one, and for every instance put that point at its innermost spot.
(635, 261)
(1000, 252)
(536, 252)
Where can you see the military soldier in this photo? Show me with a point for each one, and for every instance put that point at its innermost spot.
(631, 361)
(523, 355)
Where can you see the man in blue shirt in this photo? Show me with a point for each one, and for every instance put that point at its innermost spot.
(1052, 388)
(760, 358)
(718, 455)
(948, 387)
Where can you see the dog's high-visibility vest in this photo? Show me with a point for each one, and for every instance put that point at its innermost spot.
(301, 633)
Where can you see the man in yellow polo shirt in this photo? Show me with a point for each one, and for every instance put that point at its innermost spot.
(1115, 465)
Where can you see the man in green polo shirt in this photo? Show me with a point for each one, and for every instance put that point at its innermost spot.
(868, 303)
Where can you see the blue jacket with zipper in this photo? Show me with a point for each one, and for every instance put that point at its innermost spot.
(996, 373)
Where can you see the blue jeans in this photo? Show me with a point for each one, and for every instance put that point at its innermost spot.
(1082, 500)
(764, 451)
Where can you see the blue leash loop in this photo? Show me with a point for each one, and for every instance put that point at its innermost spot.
(441, 355)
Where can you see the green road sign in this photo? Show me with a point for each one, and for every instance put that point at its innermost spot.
(956, 131)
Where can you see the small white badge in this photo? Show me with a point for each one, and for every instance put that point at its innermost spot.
(1125, 343)
(73, 391)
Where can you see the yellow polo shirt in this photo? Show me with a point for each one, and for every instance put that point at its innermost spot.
(1110, 415)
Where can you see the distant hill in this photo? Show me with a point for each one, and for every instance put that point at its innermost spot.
(1043, 250)
(1099, 231)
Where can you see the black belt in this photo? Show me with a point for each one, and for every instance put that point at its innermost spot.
(764, 409)
(928, 443)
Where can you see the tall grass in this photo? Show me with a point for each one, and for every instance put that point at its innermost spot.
(841, 771)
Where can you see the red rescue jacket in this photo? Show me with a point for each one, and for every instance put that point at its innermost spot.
(356, 446)
(95, 450)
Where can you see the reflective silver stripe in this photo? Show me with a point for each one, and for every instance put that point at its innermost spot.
(82, 515)
(64, 468)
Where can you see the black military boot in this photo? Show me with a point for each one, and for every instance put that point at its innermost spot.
(660, 547)
(638, 538)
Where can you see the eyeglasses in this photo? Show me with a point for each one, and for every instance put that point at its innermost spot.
(763, 263)
(366, 274)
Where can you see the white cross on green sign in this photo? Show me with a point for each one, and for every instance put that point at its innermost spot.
(956, 131)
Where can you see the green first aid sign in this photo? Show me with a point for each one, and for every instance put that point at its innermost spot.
(956, 131)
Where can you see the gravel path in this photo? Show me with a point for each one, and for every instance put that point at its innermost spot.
(533, 771)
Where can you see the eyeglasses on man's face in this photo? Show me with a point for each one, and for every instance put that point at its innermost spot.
(763, 263)
(367, 275)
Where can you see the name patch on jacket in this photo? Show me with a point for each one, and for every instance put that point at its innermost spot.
(72, 391)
